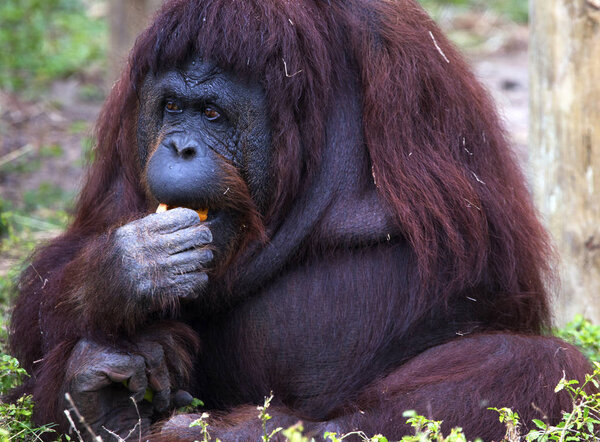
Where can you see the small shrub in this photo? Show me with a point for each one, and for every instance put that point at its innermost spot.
(15, 418)
(583, 334)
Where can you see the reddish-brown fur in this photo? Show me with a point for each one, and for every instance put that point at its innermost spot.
(442, 168)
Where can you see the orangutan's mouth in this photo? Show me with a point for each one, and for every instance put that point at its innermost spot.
(202, 213)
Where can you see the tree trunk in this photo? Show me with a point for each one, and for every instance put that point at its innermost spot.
(127, 18)
(565, 144)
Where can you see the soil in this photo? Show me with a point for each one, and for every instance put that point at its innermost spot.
(61, 117)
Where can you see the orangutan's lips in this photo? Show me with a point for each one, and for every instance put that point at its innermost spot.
(202, 213)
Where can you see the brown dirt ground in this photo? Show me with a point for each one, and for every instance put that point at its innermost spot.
(59, 118)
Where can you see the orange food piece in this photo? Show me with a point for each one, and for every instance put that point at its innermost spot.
(202, 213)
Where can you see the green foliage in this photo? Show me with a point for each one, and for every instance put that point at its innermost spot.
(583, 334)
(78, 127)
(192, 407)
(25, 164)
(3, 221)
(333, 437)
(45, 39)
(264, 418)
(7, 285)
(294, 433)
(430, 430)
(7, 291)
(15, 419)
(515, 10)
(582, 422)
(512, 422)
(203, 424)
(51, 200)
(87, 149)
(44, 215)
(11, 373)
(52, 151)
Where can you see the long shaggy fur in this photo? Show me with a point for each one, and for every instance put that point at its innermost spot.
(439, 159)
(446, 171)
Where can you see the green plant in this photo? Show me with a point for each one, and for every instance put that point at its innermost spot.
(3, 222)
(265, 417)
(294, 433)
(7, 285)
(333, 437)
(515, 10)
(51, 151)
(25, 164)
(11, 373)
(192, 407)
(512, 422)
(583, 334)
(79, 127)
(201, 422)
(49, 196)
(15, 418)
(582, 422)
(44, 213)
(45, 39)
(87, 150)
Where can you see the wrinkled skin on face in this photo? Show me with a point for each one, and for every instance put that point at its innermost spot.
(197, 126)
(203, 141)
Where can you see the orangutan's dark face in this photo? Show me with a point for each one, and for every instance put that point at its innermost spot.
(204, 140)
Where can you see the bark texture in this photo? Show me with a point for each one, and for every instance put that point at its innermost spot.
(565, 143)
(127, 18)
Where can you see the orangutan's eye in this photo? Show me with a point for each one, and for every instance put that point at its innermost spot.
(211, 114)
(171, 106)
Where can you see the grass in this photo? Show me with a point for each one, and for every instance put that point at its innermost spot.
(43, 213)
(15, 419)
(41, 41)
